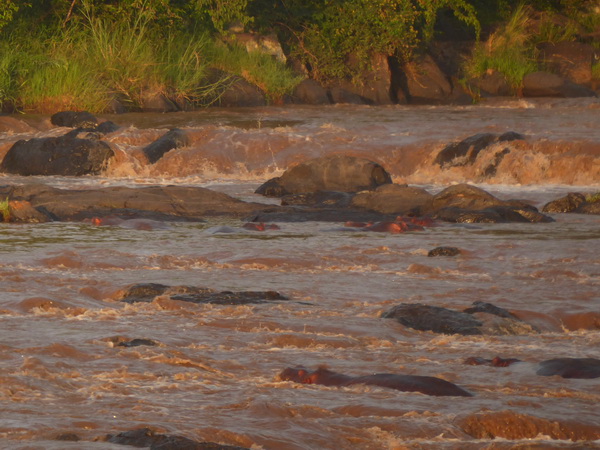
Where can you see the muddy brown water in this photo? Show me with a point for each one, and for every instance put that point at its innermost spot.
(212, 376)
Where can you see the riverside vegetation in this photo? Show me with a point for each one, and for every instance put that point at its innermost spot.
(87, 54)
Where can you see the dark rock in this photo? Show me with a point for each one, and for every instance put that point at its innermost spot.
(566, 204)
(571, 60)
(570, 367)
(394, 199)
(151, 101)
(544, 84)
(464, 196)
(589, 208)
(342, 95)
(286, 214)
(57, 156)
(67, 437)
(241, 93)
(320, 199)
(147, 292)
(330, 173)
(74, 119)
(493, 83)
(175, 138)
(488, 308)
(496, 214)
(372, 86)
(433, 318)
(491, 168)
(137, 342)
(465, 152)
(107, 127)
(425, 81)
(444, 251)
(147, 438)
(311, 93)
(174, 203)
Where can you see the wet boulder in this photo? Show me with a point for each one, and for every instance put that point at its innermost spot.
(148, 438)
(513, 425)
(570, 367)
(574, 202)
(173, 139)
(64, 155)
(497, 214)
(310, 92)
(481, 319)
(394, 199)
(147, 292)
(545, 84)
(74, 119)
(330, 173)
(466, 151)
(444, 251)
(425, 82)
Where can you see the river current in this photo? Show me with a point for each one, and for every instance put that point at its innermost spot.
(213, 375)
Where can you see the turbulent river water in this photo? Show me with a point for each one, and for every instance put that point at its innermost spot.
(213, 375)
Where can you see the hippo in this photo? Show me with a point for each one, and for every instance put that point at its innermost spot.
(563, 367)
(406, 383)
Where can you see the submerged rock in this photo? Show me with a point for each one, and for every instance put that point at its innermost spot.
(64, 155)
(173, 139)
(466, 151)
(481, 319)
(148, 438)
(394, 199)
(74, 119)
(444, 251)
(330, 173)
(147, 292)
(570, 367)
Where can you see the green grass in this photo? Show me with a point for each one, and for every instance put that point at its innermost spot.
(5, 210)
(508, 51)
(593, 198)
(596, 71)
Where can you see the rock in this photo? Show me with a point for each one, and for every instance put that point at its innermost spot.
(493, 83)
(434, 318)
(74, 119)
(319, 199)
(330, 173)
(147, 438)
(119, 341)
(311, 93)
(444, 251)
(175, 138)
(569, 203)
(158, 102)
(343, 95)
(481, 319)
(394, 199)
(570, 367)
(464, 196)
(241, 93)
(10, 124)
(465, 152)
(172, 203)
(544, 84)
(571, 60)
(425, 82)
(496, 214)
(512, 425)
(63, 155)
(21, 211)
(147, 292)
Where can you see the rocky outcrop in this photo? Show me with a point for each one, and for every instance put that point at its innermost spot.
(147, 292)
(166, 203)
(311, 93)
(481, 319)
(545, 84)
(570, 60)
(574, 202)
(329, 173)
(425, 81)
(64, 155)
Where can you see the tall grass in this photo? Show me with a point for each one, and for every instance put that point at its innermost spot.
(508, 51)
(96, 60)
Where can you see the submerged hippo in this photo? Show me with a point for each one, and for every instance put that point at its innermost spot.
(563, 367)
(406, 383)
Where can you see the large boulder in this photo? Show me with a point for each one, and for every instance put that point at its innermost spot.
(545, 84)
(329, 173)
(571, 60)
(64, 155)
(311, 93)
(241, 93)
(425, 82)
(172, 203)
(74, 119)
(394, 199)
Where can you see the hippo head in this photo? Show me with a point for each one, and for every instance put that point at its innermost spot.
(297, 374)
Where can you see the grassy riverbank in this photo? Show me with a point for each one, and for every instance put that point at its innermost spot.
(86, 54)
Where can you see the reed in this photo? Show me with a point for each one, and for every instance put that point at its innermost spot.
(5, 210)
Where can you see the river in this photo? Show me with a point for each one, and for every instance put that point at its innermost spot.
(213, 374)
